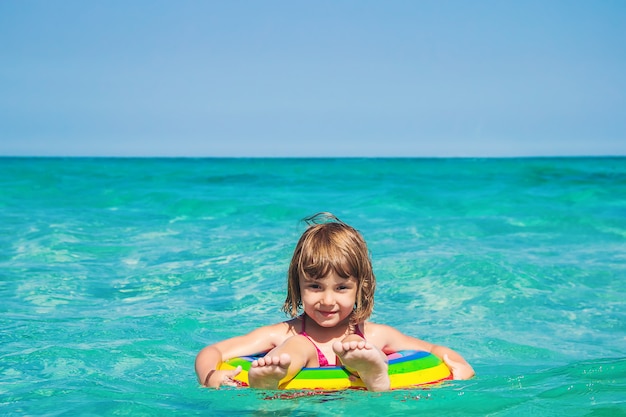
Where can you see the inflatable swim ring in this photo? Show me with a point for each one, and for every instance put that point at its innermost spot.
(407, 368)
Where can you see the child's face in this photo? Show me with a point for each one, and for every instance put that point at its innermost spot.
(329, 300)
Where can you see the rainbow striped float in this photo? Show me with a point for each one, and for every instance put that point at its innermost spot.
(408, 368)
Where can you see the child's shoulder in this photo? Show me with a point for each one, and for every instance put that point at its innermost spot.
(372, 325)
(291, 326)
(377, 328)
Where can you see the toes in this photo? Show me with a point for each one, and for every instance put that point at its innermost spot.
(354, 345)
(264, 361)
(284, 360)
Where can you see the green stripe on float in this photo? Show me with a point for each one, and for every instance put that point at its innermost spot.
(414, 365)
(333, 372)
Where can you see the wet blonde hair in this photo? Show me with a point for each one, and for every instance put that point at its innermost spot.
(330, 244)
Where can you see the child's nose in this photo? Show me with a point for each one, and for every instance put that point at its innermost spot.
(328, 298)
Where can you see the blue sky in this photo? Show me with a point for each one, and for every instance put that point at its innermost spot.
(312, 78)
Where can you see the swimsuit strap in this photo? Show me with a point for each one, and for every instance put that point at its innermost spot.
(358, 332)
(321, 358)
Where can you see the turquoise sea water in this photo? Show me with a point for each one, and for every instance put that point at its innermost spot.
(114, 273)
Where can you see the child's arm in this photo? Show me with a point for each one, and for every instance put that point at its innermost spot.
(207, 363)
(211, 357)
(392, 340)
(458, 365)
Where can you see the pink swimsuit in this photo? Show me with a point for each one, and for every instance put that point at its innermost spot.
(320, 355)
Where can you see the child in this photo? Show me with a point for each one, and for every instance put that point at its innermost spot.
(331, 280)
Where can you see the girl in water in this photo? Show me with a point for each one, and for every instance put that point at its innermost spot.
(330, 295)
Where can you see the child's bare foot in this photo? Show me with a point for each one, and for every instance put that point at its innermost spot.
(267, 372)
(369, 362)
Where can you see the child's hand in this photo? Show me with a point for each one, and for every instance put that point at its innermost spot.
(219, 378)
(460, 370)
